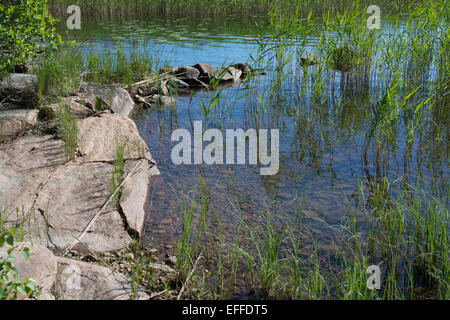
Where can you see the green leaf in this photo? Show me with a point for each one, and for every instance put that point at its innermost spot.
(9, 239)
(26, 253)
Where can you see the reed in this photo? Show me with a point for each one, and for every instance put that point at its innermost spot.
(68, 129)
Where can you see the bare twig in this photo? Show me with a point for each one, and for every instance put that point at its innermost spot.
(189, 277)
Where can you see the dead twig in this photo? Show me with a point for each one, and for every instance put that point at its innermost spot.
(189, 277)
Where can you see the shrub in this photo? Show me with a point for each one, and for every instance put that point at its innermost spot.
(23, 27)
(10, 284)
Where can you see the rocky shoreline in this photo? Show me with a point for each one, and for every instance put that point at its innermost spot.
(65, 204)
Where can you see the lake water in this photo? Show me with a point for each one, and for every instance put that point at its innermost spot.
(321, 142)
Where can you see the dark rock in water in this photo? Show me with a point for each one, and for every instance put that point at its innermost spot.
(223, 75)
(309, 60)
(228, 74)
(235, 73)
(20, 89)
(207, 71)
(177, 83)
(187, 73)
(196, 84)
(244, 67)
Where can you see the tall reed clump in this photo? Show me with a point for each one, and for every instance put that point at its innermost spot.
(186, 246)
(407, 237)
(68, 129)
(118, 67)
(60, 72)
(264, 260)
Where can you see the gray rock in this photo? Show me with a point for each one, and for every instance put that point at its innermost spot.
(41, 266)
(25, 163)
(177, 83)
(116, 98)
(186, 72)
(309, 60)
(67, 202)
(98, 138)
(244, 67)
(134, 194)
(85, 281)
(20, 89)
(14, 121)
(161, 267)
(207, 71)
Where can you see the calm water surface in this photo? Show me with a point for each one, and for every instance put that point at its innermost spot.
(321, 143)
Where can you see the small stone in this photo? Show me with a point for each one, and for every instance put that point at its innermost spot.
(309, 60)
(161, 267)
(162, 101)
(244, 67)
(171, 261)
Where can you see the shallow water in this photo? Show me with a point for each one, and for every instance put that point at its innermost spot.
(321, 144)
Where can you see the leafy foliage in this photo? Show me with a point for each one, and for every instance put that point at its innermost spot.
(10, 284)
(24, 29)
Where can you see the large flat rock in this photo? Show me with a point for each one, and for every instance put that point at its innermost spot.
(70, 199)
(25, 164)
